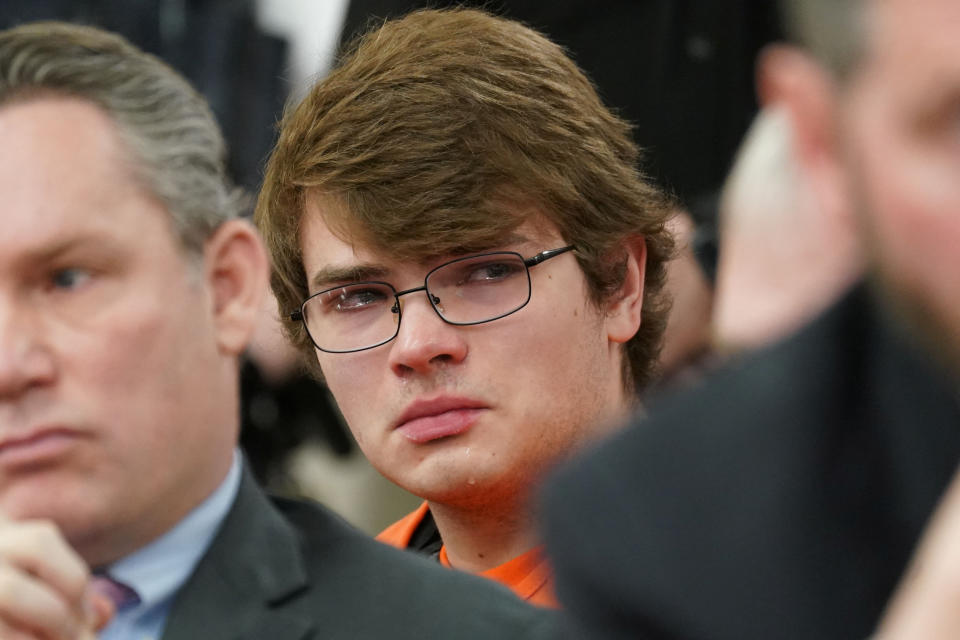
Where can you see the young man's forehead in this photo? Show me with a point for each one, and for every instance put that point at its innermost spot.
(361, 262)
(432, 236)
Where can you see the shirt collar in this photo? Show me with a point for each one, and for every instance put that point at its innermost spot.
(159, 569)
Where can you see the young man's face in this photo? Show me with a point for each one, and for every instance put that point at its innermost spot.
(109, 370)
(902, 128)
(465, 414)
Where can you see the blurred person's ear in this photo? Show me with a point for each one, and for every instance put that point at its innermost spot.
(624, 309)
(236, 270)
(784, 255)
(790, 79)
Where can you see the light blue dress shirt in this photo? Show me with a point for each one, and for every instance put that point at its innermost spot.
(156, 572)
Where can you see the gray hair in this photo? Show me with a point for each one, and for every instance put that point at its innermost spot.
(834, 31)
(166, 126)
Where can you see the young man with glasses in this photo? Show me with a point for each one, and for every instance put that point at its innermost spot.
(474, 265)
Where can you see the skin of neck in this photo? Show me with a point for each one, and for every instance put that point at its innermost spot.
(478, 539)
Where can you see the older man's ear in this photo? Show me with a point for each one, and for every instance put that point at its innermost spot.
(789, 78)
(236, 271)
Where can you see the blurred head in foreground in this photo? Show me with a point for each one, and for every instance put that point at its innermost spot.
(876, 111)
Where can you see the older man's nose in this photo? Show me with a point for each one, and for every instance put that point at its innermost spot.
(25, 360)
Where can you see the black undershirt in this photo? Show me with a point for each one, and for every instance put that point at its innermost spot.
(426, 538)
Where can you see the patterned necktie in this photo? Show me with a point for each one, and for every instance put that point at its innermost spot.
(119, 594)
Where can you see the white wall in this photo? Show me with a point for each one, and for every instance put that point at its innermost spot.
(313, 29)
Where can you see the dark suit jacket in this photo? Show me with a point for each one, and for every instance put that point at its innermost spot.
(287, 570)
(782, 499)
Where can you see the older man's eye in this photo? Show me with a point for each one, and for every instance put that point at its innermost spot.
(69, 278)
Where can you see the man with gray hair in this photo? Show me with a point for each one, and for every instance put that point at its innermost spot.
(783, 499)
(128, 288)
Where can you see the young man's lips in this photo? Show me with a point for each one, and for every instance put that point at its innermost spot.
(38, 446)
(424, 421)
(448, 423)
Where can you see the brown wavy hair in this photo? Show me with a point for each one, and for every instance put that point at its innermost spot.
(429, 125)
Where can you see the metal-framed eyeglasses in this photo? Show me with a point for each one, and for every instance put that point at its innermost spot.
(464, 291)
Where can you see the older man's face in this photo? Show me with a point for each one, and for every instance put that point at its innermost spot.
(108, 357)
(901, 122)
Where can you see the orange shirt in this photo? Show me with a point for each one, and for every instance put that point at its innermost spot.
(528, 575)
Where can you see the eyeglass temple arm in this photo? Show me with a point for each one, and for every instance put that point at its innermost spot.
(546, 255)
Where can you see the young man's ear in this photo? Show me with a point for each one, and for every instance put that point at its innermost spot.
(624, 308)
(236, 272)
(789, 78)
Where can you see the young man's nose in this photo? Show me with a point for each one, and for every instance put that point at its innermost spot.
(425, 341)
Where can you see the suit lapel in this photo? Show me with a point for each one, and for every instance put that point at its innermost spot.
(239, 588)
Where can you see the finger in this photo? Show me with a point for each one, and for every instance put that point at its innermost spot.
(29, 604)
(37, 547)
(8, 632)
(100, 611)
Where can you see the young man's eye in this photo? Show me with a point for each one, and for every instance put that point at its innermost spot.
(492, 271)
(353, 299)
(69, 278)
(362, 298)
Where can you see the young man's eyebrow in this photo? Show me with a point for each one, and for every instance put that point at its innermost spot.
(515, 237)
(510, 239)
(332, 275)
